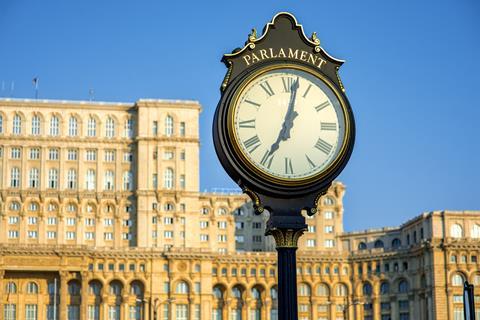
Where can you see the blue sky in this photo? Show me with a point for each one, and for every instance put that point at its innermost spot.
(411, 74)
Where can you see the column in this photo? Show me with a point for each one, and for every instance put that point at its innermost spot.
(314, 308)
(83, 301)
(2, 286)
(266, 307)
(394, 307)
(191, 308)
(124, 308)
(63, 295)
(104, 306)
(146, 309)
(376, 307)
(226, 310)
(333, 310)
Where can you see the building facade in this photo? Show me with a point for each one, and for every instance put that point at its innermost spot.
(101, 217)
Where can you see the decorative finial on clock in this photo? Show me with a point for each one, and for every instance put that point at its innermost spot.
(253, 35)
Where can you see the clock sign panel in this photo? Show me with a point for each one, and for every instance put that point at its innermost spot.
(288, 123)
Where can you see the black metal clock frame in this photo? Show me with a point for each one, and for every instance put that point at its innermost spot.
(282, 44)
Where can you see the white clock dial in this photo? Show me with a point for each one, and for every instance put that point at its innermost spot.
(289, 124)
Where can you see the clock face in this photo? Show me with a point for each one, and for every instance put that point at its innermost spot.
(289, 124)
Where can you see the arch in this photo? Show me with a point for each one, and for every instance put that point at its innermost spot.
(396, 243)
(384, 287)
(362, 246)
(3, 122)
(36, 124)
(10, 287)
(111, 126)
(367, 289)
(168, 178)
(475, 233)
(74, 125)
(169, 125)
(218, 291)
(475, 280)
(137, 288)
(74, 287)
(458, 279)
(115, 287)
(93, 125)
(18, 123)
(14, 205)
(55, 125)
(238, 291)
(304, 290)
(403, 286)
(222, 211)
(182, 287)
(257, 292)
(341, 290)
(32, 288)
(323, 290)
(274, 292)
(456, 230)
(378, 244)
(95, 287)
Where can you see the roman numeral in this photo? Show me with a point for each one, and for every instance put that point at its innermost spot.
(247, 124)
(323, 146)
(266, 86)
(287, 84)
(306, 91)
(322, 105)
(288, 166)
(252, 143)
(310, 162)
(267, 159)
(331, 126)
(252, 103)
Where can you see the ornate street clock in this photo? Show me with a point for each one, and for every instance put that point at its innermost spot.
(283, 130)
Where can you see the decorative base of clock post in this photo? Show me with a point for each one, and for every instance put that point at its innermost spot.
(286, 244)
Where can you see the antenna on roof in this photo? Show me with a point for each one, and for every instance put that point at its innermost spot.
(35, 83)
(12, 88)
(91, 94)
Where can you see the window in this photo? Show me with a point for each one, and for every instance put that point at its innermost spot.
(204, 237)
(32, 234)
(1, 124)
(222, 211)
(168, 126)
(127, 181)
(91, 127)
(90, 180)
(329, 243)
(203, 224)
(10, 311)
(222, 238)
(12, 220)
(128, 128)
(384, 288)
(31, 312)
(72, 155)
(257, 225)
(182, 312)
(222, 224)
(396, 243)
(109, 128)
(182, 288)
(89, 222)
(72, 126)
(169, 206)
(35, 125)
(311, 243)
(33, 181)
(15, 178)
(403, 286)
(367, 289)
(456, 231)
(257, 239)
(71, 179)
(182, 155)
(14, 206)
(182, 129)
(109, 180)
(70, 235)
(91, 155)
(155, 181)
(70, 221)
(311, 229)
(32, 220)
(13, 234)
(89, 235)
(17, 125)
(475, 231)
(304, 290)
(182, 181)
(328, 215)
(35, 153)
(155, 128)
(240, 239)
(328, 201)
(52, 154)
(108, 222)
(15, 153)
(51, 234)
(341, 290)
(328, 229)
(109, 155)
(32, 288)
(52, 178)
(362, 246)
(168, 178)
(168, 234)
(54, 126)
(457, 280)
(108, 235)
(127, 157)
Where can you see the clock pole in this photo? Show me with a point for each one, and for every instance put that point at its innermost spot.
(286, 241)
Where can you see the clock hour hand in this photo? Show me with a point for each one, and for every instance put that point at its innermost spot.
(288, 120)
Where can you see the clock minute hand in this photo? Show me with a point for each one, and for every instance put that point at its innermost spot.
(288, 120)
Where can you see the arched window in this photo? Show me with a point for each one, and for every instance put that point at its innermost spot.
(72, 126)
(54, 126)
(127, 181)
(217, 292)
(95, 288)
(33, 179)
(11, 287)
(274, 293)
(476, 231)
(90, 179)
(14, 206)
(403, 286)
(110, 128)
(32, 288)
(182, 288)
(457, 280)
(168, 126)
(168, 178)
(367, 289)
(328, 201)
(384, 288)
(115, 288)
(362, 246)
(341, 290)
(378, 244)
(456, 231)
(35, 125)
(17, 125)
(304, 290)
(396, 243)
(237, 292)
(73, 288)
(322, 290)
(53, 178)
(136, 288)
(256, 294)
(476, 280)
(15, 177)
(92, 127)
(222, 211)
(71, 179)
(109, 180)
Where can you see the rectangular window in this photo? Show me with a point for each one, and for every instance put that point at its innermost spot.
(328, 215)
(168, 220)
(109, 155)
(204, 237)
(168, 155)
(222, 238)
(31, 312)
(182, 129)
(52, 154)
(155, 128)
(239, 225)
(240, 239)
(72, 155)
(70, 235)
(89, 235)
(155, 181)
(127, 157)
(182, 155)
(108, 235)
(311, 229)
(329, 243)
(182, 312)
(51, 234)
(91, 155)
(328, 229)
(15, 153)
(182, 181)
(32, 234)
(222, 224)
(203, 224)
(108, 222)
(311, 243)
(12, 220)
(168, 234)
(51, 221)
(12, 234)
(257, 239)
(34, 153)
(93, 312)
(257, 225)
(71, 221)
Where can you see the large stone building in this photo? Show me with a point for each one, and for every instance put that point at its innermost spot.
(101, 218)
